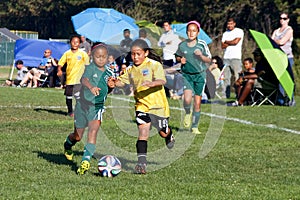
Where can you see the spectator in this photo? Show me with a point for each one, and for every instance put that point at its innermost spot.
(232, 41)
(143, 36)
(169, 42)
(248, 65)
(22, 71)
(49, 65)
(125, 45)
(216, 66)
(262, 69)
(85, 45)
(126, 42)
(76, 60)
(113, 65)
(283, 36)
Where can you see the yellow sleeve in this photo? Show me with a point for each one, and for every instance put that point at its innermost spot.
(124, 78)
(159, 72)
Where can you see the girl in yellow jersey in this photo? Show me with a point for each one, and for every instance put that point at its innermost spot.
(152, 109)
(76, 60)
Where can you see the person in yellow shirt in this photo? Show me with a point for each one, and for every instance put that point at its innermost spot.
(147, 77)
(76, 60)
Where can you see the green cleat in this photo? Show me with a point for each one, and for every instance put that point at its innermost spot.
(187, 120)
(69, 154)
(85, 166)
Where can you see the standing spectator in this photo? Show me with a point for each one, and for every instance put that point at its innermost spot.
(283, 36)
(143, 36)
(96, 84)
(126, 42)
(169, 42)
(151, 106)
(85, 45)
(76, 60)
(22, 71)
(232, 41)
(193, 54)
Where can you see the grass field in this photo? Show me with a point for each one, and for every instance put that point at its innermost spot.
(242, 153)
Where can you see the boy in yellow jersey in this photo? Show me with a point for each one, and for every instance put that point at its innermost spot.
(152, 109)
(76, 60)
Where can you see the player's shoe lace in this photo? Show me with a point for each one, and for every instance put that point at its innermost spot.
(140, 168)
(187, 120)
(85, 166)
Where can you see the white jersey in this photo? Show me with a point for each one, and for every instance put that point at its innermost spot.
(233, 51)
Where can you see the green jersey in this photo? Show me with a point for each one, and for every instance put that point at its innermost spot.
(99, 79)
(194, 65)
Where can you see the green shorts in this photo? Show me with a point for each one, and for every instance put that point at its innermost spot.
(194, 82)
(85, 113)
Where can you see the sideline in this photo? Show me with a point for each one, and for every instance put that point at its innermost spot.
(241, 121)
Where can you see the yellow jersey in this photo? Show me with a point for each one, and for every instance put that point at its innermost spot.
(76, 62)
(148, 100)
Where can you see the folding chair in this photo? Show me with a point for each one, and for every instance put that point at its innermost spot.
(43, 80)
(266, 93)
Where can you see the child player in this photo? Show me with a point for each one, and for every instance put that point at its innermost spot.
(96, 83)
(76, 60)
(151, 106)
(193, 54)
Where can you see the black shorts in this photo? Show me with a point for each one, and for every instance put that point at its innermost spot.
(72, 90)
(160, 123)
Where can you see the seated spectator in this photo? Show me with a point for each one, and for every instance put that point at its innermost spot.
(216, 67)
(174, 82)
(48, 66)
(248, 69)
(22, 71)
(262, 69)
(113, 65)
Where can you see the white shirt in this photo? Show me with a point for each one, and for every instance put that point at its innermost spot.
(169, 49)
(233, 51)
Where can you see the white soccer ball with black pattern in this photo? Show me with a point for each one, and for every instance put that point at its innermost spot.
(109, 166)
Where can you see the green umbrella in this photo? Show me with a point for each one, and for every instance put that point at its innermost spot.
(154, 29)
(277, 59)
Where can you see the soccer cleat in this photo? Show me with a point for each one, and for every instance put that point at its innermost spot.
(140, 168)
(187, 120)
(85, 165)
(69, 154)
(196, 131)
(170, 141)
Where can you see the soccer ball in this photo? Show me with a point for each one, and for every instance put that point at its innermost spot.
(109, 166)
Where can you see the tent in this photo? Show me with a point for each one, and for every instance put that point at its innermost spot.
(31, 51)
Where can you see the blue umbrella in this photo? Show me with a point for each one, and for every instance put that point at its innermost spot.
(103, 25)
(180, 29)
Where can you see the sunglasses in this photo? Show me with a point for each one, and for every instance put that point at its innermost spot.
(47, 52)
(284, 18)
